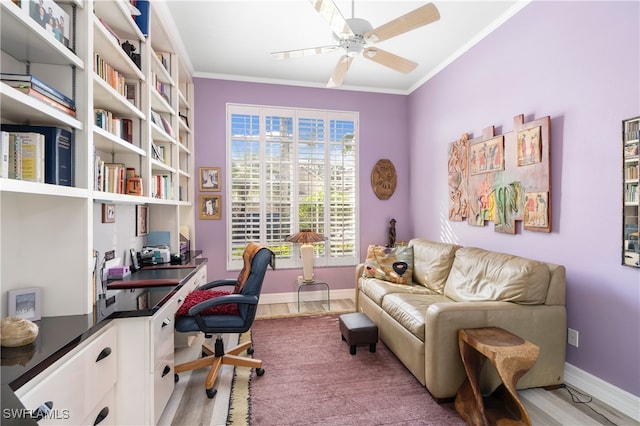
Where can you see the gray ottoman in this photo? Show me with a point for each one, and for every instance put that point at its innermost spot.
(358, 329)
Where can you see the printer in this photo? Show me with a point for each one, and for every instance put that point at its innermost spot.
(153, 255)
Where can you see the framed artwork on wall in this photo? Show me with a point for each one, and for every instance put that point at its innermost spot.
(108, 213)
(210, 207)
(25, 303)
(142, 220)
(209, 178)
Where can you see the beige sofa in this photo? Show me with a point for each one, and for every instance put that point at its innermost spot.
(462, 287)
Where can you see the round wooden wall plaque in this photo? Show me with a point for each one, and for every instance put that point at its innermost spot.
(384, 179)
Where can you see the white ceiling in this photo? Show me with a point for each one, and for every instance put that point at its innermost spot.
(234, 39)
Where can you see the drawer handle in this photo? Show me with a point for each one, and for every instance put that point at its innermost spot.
(166, 322)
(42, 411)
(105, 353)
(166, 370)
(101, 416)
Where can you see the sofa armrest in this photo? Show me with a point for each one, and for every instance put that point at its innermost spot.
(542, 325)
(359, 269)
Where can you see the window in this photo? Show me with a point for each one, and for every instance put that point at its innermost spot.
(292, 169)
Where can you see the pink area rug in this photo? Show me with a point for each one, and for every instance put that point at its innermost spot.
(311, 379)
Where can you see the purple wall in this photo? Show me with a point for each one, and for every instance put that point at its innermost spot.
(383, 134)
(579, 63)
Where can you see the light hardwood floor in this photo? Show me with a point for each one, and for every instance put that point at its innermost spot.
(565, 406)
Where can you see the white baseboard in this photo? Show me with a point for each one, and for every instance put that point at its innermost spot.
(617, 398)
(270, 298)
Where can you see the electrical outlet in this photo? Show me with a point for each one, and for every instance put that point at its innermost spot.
(572, 337)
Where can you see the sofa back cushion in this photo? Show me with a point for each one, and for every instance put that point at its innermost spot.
(389, 264)
(431, 263)
(481, 275)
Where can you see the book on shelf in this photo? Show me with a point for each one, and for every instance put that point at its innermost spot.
(47, 100)
(131, 93)
(120, 127)
(114, 178)
(142, 20)
(57, 157)
(30, 155)
(4, 151)
(23, 81)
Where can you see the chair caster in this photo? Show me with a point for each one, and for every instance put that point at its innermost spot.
(250, 350)
(211, 393)
(259, 371)
(176, 378)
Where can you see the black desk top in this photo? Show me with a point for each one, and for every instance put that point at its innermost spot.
(59, 335)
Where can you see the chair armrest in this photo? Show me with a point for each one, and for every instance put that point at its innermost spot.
(222, 300)
(218, 283)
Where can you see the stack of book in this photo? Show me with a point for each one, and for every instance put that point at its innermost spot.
(38, 154)
(38, 89)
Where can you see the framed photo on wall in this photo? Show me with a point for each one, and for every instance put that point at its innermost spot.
(142, 220)
(108, 213)
(25, 303)
(209, 178)
(210, 207)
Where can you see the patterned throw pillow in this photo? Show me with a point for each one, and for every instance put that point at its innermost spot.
(198, 296)
(390, 264)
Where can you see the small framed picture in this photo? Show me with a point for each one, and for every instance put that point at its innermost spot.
(210, 207)
(108, 213)
(25, 303)
(209, 178)
(142, 220)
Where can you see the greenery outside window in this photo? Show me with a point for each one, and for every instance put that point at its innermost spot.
(291, 169)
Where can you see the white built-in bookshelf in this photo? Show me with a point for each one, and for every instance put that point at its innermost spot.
(631, 192)
(48, 232)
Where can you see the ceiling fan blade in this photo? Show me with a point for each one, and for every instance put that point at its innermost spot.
(421, 16)
(340, 71)
(390, 60)
(288, 54)
(330, 13)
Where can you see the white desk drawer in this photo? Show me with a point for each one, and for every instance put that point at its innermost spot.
(101, 367)
(104, 413)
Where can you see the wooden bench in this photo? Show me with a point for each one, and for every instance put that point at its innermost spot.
(512, 357)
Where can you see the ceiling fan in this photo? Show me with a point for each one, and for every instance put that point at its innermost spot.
(357, 36)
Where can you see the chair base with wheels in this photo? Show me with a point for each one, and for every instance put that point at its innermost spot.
(216, 358)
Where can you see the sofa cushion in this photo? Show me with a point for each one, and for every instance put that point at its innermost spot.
(390, 264)
(431, 262)
(377, 289)
(481, 275)
(410, 309)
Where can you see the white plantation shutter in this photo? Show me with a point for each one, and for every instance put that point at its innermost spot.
(292, 169)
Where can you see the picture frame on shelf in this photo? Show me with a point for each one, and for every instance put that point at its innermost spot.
(210, 207)
(25, 303)
(209, 178)
(142, 220)
(108, 213)
(52, 18)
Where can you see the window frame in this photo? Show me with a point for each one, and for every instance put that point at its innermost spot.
(294, 261)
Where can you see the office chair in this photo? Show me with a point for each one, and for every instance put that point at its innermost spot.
(246, 295)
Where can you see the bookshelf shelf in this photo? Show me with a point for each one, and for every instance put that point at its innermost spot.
(34, 188)
(109, 143)
(106, 97)
(20, 107)
(118, 14)
(25, 40)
